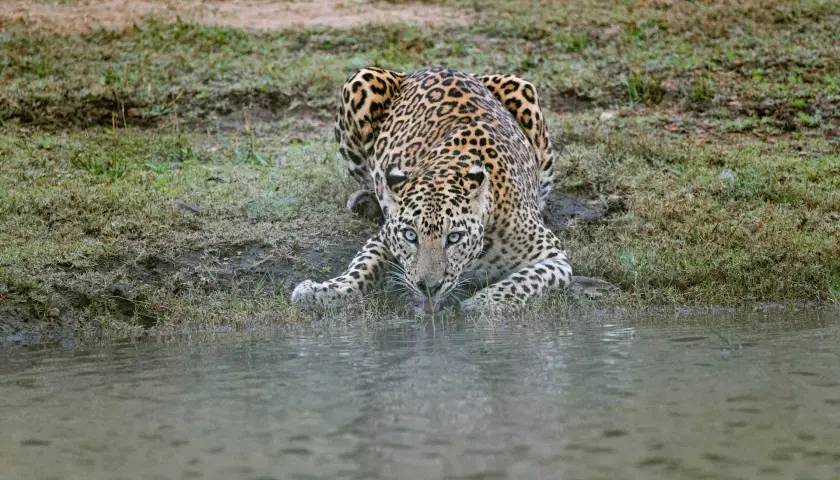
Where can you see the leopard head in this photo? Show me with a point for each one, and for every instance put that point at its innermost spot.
(434, 226)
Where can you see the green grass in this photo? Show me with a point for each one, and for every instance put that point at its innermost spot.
(712, 224)
(126, 156)
(84, 210)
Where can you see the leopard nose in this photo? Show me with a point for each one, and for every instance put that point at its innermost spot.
(429, 288)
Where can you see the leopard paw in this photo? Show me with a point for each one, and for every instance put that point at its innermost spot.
(305, 293)
(473, 305)
(484, 304)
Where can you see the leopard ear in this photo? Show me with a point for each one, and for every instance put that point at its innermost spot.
(394, 178)
(476, 178)
(478, 187)
(386, 190)
(476, 174)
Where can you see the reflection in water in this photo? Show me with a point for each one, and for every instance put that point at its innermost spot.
(573, 400)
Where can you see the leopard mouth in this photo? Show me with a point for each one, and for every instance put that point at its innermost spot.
(424, 305)
(435, 303)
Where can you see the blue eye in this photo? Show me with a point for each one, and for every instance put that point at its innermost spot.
(453, 238)
(409, 235)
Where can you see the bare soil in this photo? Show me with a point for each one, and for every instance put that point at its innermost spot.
(80, 16)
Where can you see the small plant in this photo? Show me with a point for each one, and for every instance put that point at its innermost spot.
(701, 91)
(631, 264)
(246, 153)
(458, 49)
(401, 47)
(639, 32)
(643, 88)
(834, 287)
(742, 124)
(170, 152)
(810, 121)
(634, 31)
(571, 42)
(40, 67)
(832, 84)
(799, 103)
(744, 184)
(204, 37)
(117, 77)
(158, 167)
(102, 163)
(175, 150)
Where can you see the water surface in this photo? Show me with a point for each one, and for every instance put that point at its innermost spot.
(755, 396)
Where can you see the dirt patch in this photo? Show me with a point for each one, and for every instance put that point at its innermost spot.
(562, 211)
(222, 266)
(86, 15)
(229, 110)
(571, 101)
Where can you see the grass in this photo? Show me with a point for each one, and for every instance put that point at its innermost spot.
(86, 212)
(145, 173)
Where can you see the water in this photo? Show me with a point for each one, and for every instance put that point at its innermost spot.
(749, 397)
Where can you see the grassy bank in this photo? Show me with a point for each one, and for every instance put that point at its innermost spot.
(176, 173)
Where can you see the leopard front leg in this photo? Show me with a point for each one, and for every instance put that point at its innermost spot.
(511, 293)
(365, 272)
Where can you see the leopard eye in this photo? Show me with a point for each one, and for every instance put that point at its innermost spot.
(454, 238)
(409, 235)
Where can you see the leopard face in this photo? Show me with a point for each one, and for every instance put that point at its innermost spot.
(434, 233)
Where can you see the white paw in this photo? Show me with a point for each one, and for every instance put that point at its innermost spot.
(305, 293)
(472, 305)
(483, 304)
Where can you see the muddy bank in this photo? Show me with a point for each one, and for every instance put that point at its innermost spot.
(197, 110)
(127, 283)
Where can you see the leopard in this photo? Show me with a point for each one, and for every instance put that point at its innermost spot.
(461, 166)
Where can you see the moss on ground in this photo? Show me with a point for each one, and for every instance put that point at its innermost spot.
(180, 174)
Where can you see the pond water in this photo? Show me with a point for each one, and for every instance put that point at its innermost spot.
(734, 396)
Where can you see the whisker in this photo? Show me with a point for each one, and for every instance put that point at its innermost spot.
(395, 265)
(401, 284)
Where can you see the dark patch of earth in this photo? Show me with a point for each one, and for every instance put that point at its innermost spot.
(571, 101)
(225, 267)
(217, 109)
(562, 210)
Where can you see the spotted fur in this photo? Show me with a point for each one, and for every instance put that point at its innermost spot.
(461, 167)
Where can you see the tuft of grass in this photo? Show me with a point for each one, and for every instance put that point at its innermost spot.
(701, 91)
(247, 153)
(743, 124)
(109, 164)
(572, 42)
(810, 120)
(643, 88)
(834, 289)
